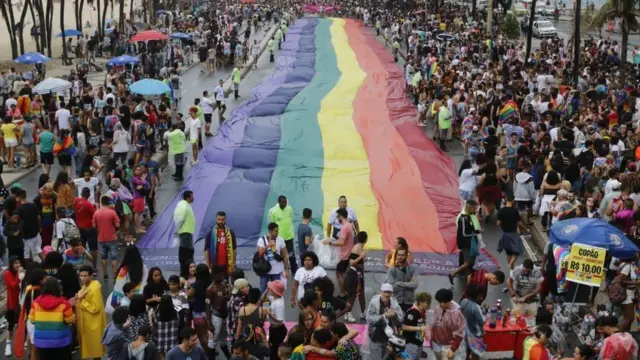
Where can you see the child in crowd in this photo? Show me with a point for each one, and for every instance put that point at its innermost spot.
(129, 289)
(76, 254)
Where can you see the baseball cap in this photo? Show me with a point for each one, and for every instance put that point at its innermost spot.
(386, 287)
(239, 284)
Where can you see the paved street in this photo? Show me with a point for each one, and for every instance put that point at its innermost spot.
(193, 84)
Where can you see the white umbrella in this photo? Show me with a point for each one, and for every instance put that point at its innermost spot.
(52, 85)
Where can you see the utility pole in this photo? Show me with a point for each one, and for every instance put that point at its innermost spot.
(490, 16)
(576, 44)
(530, 30)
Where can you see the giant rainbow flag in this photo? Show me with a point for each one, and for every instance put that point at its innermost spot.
(333, 119)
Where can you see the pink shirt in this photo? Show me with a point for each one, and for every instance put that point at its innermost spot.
(106, 221)
(346, 233)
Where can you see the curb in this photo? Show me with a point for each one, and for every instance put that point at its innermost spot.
(22, 176)
(538, 237)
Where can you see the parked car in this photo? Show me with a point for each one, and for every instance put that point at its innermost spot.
(544, 29)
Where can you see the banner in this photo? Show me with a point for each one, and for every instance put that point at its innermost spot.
(586, 264)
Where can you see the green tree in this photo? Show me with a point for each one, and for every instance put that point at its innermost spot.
(628, 15)
(510, 27)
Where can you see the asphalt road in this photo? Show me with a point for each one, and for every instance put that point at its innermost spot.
(193, 85)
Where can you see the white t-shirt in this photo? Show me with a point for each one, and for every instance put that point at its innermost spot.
(333, 217)
(629, 270)
(277, 267)
(219, 93)
(207, 105)
(468, 180)
(277, 308)
(91, 184)
(553, 133)
(63, 116)
(304, 277)
(9, 102)
(194, 128)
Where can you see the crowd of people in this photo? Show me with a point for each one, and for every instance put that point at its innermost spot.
(537, 143)
(533, 145)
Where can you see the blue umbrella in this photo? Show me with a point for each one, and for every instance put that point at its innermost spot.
(149, 87)
(31, 58)
(69, 33)
(123, 60)
(180, 35)
(592, 232)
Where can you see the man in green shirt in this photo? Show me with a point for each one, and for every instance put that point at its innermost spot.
(396, 48)
(284, 28)
(177, 147)
(279, 38)
(271, 48)
(235, 76)
(444, 123)
(282, 214)
(185, 221)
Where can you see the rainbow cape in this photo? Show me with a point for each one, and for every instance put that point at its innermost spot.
(507, 111)
(66, 147)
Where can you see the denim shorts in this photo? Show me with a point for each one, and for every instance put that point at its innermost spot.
(109, 249)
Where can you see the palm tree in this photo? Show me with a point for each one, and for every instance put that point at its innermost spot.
(20, 34)
(623, 10)
(64, 38)
(78, 6)
(6, 8)
(530, 30)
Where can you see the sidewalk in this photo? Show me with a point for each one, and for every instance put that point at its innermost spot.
(12, 176)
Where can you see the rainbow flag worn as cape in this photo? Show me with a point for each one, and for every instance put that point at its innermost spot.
(507, 111)
(67, 147)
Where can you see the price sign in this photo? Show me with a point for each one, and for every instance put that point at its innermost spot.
(586, 264)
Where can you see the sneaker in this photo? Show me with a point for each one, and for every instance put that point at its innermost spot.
(7, 349)
(363, 317)
(349, 318)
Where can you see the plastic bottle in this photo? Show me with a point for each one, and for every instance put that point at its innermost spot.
(507, 317)
(492, 317)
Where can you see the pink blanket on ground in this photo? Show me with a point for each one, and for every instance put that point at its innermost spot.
(363, 332)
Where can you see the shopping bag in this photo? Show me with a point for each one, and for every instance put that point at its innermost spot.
(481, 244)
(327, 255)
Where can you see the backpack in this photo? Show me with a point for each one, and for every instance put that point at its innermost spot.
(70, 230)
(109, 123)
(142, 132)
(616, 291)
